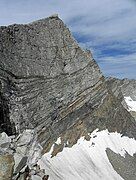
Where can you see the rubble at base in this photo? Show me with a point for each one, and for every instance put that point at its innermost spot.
(19, 156)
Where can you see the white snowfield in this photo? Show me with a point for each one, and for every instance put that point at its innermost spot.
(87, 160)
(130, 103)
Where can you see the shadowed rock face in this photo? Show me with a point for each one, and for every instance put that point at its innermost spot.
(54, 86)
(123, 88)
(125, 166)
(5, 124)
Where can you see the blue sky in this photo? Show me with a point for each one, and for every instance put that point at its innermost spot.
(106, 27)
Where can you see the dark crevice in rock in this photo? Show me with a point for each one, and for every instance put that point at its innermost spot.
(5, 124)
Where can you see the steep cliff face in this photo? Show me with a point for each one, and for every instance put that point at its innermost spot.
(53, 86)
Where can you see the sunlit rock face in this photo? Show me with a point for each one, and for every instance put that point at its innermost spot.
(52, 86)
(55, 86)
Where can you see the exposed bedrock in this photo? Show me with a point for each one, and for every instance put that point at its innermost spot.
(125, 166)
(5, 124)
(124, 88)
(54, 86)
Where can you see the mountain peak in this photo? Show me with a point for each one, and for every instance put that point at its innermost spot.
(50, 89)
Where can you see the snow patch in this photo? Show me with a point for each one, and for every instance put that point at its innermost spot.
(58, 142)
(130, 103)
(88, 159)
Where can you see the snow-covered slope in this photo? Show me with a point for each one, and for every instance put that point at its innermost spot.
(130, 103)
(87, 160)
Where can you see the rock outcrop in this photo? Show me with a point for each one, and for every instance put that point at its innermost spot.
(123, 89)
(125, 166)
(6, 166)
(51, 85)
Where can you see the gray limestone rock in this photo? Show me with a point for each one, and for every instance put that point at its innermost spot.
(125, 166)
(21, 165)
(52, 85)
(49, 84)
(123, 88)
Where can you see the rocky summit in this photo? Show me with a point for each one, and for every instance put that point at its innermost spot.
(52, 94)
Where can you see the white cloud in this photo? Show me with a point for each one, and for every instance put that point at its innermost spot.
(120, 66)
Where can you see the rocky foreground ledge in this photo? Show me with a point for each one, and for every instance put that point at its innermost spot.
(50, 88)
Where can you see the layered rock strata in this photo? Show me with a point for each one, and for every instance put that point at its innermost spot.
(52, 86)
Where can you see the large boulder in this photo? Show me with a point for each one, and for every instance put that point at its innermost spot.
(6, 166)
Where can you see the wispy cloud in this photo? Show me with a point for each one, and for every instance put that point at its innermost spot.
(119, 65)
(107, 27)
